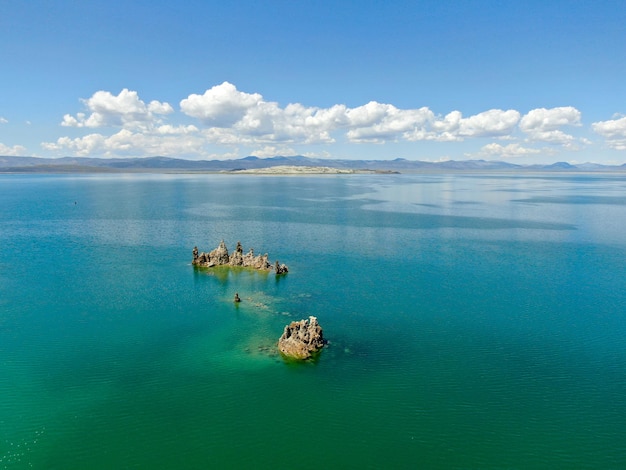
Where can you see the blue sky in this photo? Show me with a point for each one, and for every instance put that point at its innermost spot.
(525, 82)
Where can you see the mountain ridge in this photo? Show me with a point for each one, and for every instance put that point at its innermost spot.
(13, 164)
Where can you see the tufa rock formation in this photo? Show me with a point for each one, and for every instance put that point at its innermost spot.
(281, 268)
(301, 339)
(220, 257)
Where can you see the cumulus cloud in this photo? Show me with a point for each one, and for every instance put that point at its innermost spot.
(226, 116)
(378, 122)
(422, 124)
(272, 151)
(3, 120)
(122, 110)
(492, 123)
(83, 146)
(143, 130)
(221, 106)
(14, 151)
(232, 116)
(543, 124)
(176, 130)
(129, 143)
(506, 151)
(614, 131)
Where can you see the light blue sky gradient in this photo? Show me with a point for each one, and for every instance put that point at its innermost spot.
(526, 82)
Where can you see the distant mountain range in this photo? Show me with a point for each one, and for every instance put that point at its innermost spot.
(166, 164)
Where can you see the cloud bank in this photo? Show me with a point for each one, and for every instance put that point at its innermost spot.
(225, 117)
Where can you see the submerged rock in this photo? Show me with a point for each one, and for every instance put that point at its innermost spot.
(301, 339)
(221, 257)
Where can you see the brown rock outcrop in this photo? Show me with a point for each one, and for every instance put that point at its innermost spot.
(221, 257)
(220, 254)
(301, 339)
(280, 268)
(236, 259)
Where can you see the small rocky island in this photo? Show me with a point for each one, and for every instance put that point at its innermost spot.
(221, 257)
(301, 339)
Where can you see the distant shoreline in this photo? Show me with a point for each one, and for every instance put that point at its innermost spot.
(57, 170)
(296, 165)
(304, 170)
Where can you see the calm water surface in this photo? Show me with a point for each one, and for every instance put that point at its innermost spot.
(475, 321)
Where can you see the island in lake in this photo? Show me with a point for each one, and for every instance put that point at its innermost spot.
(301, 339)
(295, 170)
(220, 257)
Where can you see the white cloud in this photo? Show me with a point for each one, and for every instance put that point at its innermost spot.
(124, 110)
(554, 137)
(506, 151)
(156, 107)
(232, 116)
(15, 151)
(221, 106)
(88, 145)
(377, 122)
(176, 130)
(3, 120)
(450, 123)
(550, 119)
(273, 151)
(422, 124)
(543, 124)
(129, 143)
(322, 154)
(492, 123)
(369, 114)
(614, 131)
(225, 116)
(223, 136)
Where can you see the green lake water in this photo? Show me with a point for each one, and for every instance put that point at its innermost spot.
(474, 321)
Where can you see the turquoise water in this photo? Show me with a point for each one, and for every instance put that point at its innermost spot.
(475, 321)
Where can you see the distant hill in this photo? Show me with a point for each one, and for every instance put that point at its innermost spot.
(165, 164)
